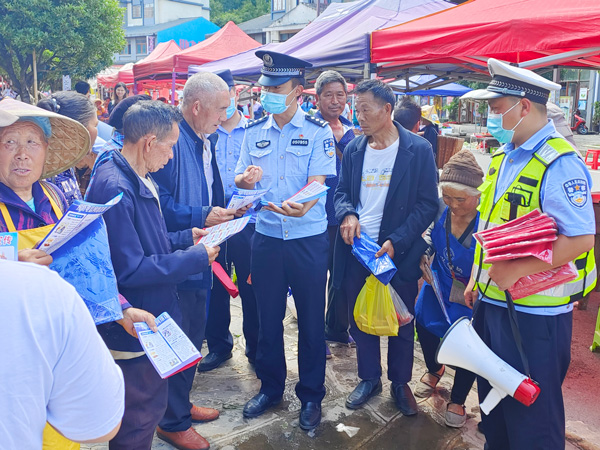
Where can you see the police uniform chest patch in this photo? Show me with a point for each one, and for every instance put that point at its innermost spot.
(263, 144)
(329, 147)
(576, 191)
(300, 142)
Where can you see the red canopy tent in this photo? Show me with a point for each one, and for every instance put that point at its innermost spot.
(459, 40)
(228, 41)
(125, 73)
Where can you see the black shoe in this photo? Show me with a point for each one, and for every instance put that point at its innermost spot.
(363, 392)
(258, 404)
(310, 415)
(212, 361)
(404, 398)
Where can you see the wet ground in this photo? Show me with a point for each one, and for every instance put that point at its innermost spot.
(380, 425)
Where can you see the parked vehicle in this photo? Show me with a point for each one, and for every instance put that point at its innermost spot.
(579, 124)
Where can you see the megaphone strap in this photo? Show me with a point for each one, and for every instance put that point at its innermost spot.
(516, 332)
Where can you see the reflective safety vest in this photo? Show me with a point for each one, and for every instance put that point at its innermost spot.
(522, 197)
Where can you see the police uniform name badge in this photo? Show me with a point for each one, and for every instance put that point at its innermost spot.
(311, 191)
(576, 191)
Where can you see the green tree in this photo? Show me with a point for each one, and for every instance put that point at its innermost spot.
(74, 37)
(238, 11)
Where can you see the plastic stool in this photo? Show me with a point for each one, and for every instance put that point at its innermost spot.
(595, 154)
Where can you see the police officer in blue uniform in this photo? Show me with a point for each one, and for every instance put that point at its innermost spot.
(218, 337)
(283, 152)
(535, 166)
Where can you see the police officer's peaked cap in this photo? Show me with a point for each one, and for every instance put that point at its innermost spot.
(279, 68)
(227, 77)
(514, 81)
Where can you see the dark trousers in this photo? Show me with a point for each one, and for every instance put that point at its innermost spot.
(336, 318)
(145, 404)
(302, 265)
(193, 308)
(218, 336)
(368, 353)
(463, 379)
(547, 344)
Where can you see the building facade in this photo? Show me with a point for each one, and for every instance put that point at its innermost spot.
(145, 20)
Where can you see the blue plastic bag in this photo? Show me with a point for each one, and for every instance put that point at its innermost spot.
(84, 261)
(365, 249)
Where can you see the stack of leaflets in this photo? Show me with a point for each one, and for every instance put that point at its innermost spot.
(311, 191)
(170, 350)
(244, 197)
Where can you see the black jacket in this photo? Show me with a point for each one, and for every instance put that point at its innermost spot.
(410, 206)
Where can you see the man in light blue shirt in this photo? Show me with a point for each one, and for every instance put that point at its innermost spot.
(218, 337)
(283, 152)
(540, 344)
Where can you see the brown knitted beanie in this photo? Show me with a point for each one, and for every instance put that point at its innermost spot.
(463, 168)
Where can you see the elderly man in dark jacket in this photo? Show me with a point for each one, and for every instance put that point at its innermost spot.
(148, 260)
(388, 191)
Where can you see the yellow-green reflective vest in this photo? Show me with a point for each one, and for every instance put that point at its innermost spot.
(521, 197)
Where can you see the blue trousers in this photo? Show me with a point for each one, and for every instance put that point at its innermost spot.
(302, 265)
(193, 308)
(368, 352)
(547, 344)
(336, 318)
(145, 404)
(218, 336)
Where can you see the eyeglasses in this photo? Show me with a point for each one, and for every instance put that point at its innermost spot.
(12, 145)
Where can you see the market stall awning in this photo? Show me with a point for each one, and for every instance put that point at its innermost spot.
(337, 39)
(533, 33)
(125, 73)
(428, 85)
(229, 40)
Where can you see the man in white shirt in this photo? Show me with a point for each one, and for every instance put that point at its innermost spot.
(53, 366)
(388, 191)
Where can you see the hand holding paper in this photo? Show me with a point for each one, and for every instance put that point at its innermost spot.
(220, 233)
(312, 191)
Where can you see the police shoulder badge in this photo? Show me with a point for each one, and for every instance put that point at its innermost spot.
(576, 191)
(329, 147)
(262, 144)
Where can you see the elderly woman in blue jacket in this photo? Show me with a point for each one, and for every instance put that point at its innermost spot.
(454, 247)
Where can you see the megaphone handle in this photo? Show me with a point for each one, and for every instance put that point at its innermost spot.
(491, 400)
(516, 332)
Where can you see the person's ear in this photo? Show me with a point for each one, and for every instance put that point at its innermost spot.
(526, 106)
(150, 141)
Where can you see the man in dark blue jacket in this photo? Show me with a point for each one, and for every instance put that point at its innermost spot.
(192, 195)
(148, 261)
(388, 191)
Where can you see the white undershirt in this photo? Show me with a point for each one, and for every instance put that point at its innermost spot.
(374, 186)
(150, 185)
(208, 171)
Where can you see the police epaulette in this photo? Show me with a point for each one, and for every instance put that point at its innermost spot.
(316, 120)
(251, 123)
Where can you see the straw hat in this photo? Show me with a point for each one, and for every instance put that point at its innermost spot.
(428, 113)
(7, 119)
(68, 144)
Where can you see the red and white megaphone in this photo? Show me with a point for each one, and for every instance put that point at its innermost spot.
(462, 347)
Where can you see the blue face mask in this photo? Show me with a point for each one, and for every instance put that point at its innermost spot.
(274, 103)
(231, 108)
(494, 126)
